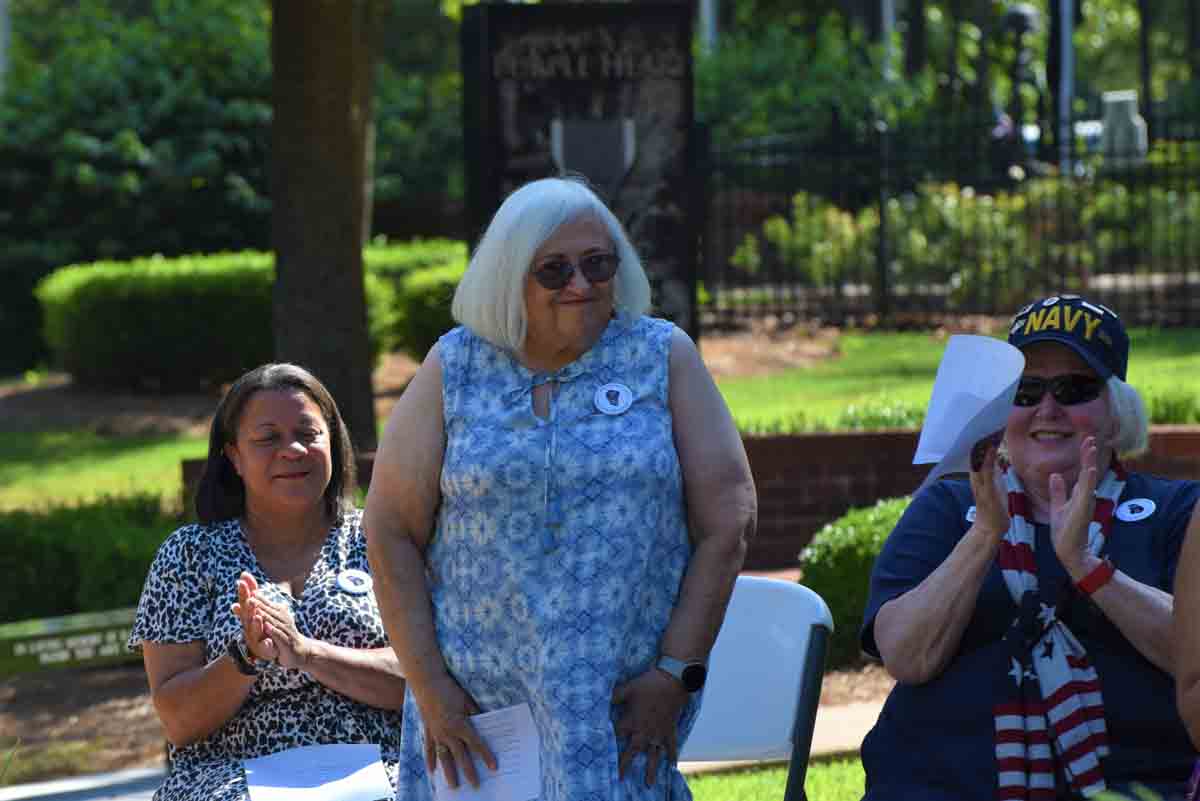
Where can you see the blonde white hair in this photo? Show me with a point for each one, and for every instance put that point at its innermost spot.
(490, 299)
(1133, 425)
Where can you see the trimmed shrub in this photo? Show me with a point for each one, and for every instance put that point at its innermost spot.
(423, 307)
(173, 323)
(875, 415)
(837, 566)
(395, 262)
(85, 558)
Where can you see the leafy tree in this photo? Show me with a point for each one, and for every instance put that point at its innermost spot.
(123, 136)
(775, 82)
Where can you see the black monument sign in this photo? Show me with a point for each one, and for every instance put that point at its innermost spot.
(602, 89)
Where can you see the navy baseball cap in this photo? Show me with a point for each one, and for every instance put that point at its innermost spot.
(1093, 331)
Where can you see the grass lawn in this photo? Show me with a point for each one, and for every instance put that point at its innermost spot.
(49, 467)
(871, 367)
(899, 368)
(39, 468)
(835, 780)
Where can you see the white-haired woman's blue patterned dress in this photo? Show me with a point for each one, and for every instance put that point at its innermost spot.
(560, 548)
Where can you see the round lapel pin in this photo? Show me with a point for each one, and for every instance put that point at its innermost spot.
(355, 581)
(1136, 509)
(614, 398)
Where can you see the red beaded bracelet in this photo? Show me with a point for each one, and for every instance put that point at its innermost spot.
(1101, 574)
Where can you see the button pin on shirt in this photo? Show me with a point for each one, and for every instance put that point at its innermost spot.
(1136, 509)
(613, 398)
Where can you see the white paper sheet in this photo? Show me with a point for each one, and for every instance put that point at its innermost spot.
(513, 738)
(972, 398)
(343, 772)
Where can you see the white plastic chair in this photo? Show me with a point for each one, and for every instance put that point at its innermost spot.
(764, 679)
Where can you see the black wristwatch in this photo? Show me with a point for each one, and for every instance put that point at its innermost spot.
(243, 660)
(690, 674)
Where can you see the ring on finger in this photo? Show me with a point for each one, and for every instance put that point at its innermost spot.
(442, 749)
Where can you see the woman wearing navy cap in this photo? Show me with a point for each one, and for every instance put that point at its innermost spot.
(1026, 614)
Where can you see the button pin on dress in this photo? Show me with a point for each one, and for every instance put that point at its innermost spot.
(354, 581)
(614, 398)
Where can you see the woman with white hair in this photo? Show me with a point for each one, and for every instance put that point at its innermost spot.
(557, 514)
(1026, 614)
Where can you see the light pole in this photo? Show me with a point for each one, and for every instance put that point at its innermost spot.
(887, 24)
(708, 25)
(1066, 82)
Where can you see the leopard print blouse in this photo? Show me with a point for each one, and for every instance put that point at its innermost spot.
(186, 598)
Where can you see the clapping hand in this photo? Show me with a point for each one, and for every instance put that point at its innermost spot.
(1071, 517)
(991, 506)
(269, 627)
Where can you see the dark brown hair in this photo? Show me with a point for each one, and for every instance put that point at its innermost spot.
(221, 494)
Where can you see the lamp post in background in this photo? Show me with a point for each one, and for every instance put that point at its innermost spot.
(708, 25)
(1066, 83)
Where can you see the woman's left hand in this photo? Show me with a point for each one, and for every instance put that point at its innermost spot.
(281, 639)
(652, 704)
(1071, 517)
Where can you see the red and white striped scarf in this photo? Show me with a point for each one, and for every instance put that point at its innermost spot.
(1050, 709)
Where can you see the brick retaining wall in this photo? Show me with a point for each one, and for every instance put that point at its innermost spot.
(805, 481)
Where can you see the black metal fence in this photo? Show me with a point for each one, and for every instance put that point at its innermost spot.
(910, 228)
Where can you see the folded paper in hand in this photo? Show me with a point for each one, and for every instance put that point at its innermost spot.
(513, 737)
(972, 398)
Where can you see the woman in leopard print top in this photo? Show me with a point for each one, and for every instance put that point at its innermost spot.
(258, 626)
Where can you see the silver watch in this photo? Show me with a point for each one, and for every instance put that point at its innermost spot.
(690, 674)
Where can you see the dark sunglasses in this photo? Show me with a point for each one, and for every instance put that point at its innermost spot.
(1067, 390)
(596, 268)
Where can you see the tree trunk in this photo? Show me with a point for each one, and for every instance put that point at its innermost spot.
(323, 59)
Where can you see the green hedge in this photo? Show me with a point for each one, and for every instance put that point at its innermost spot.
(397, 261)
(85, 558)
(837, 566)
(423, 307)
(174, 323)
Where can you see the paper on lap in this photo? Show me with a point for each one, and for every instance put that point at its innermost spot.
(514, 740)
(342, 772)
(972, 398)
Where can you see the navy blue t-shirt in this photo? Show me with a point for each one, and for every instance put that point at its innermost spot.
(935, 741)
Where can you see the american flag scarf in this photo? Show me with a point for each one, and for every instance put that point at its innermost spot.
(1050, 709)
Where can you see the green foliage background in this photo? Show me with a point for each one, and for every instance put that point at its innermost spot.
(97, 553)
(837, 566)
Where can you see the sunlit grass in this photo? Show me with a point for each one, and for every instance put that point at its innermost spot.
(876, 371)
(834, 780)
(898, 368)
(52, 467)
(37, 762)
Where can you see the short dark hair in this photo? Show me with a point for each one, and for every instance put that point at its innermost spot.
(221, 495)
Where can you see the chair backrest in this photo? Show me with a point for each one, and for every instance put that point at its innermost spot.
(764, 678)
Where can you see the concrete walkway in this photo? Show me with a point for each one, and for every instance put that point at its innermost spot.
(839, 730)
